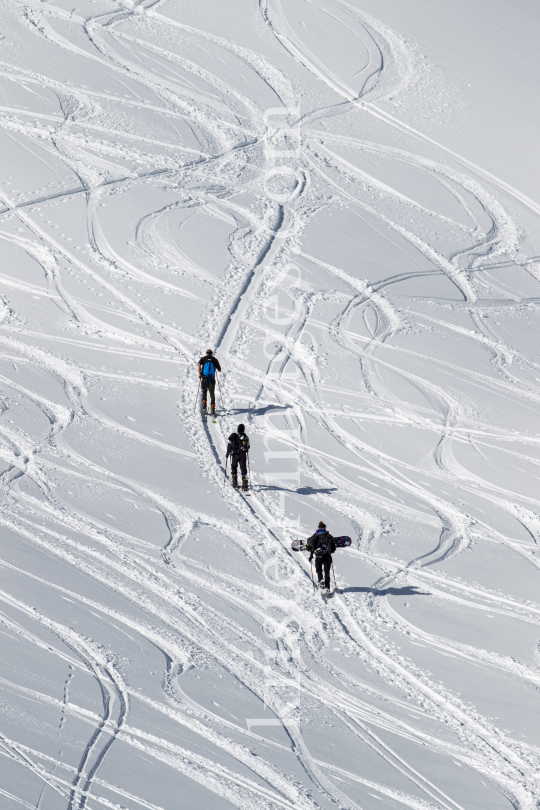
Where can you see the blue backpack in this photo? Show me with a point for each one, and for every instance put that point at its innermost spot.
(208, 371)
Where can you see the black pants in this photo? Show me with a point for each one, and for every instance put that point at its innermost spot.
(326, 561)
(236, 459)
(208, 387)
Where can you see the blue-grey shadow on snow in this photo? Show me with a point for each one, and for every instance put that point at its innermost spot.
(314, 490)
(408, 590)
(300, 491)
(260, 411)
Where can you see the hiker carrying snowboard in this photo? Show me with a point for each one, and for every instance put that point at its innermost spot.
(207, 375)
(238, 449)
(321, 546)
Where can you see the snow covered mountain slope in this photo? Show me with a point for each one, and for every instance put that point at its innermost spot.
(340, 198)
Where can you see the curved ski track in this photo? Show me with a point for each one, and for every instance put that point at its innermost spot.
(160, 150)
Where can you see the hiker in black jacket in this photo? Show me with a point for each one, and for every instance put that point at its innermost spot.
(321, 546)
(207, 375)
(237, 449)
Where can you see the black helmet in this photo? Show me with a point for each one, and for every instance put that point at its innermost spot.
(241, 429)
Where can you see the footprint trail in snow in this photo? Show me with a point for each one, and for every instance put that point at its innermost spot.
(268, 183)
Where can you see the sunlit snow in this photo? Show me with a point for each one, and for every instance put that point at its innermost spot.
(340, 199)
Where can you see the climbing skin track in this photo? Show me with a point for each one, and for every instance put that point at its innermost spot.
(280, 184)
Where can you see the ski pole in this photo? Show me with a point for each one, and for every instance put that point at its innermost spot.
(249, 468)
(312, 580)
(197, 396)
(226, 462)
(334, 573)
(220, 394)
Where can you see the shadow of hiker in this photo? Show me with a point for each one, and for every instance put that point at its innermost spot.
(408, 590)
(276, 489)
(300, 491)
(313, 491)
(259, 411)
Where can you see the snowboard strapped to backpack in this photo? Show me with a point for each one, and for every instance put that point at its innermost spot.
(341, 542)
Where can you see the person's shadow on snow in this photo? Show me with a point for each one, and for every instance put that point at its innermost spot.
(314, 491)
(300, 491)
(408, 590)
(260, 411)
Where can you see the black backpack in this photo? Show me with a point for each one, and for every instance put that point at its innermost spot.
(238, 443)
(242, 442)
(324, 544)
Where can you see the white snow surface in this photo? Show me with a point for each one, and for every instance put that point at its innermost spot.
(340, 198)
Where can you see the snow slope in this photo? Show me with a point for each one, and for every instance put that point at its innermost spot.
(341, 199)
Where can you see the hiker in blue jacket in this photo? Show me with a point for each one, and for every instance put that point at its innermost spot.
(321, 546)
(207, 367)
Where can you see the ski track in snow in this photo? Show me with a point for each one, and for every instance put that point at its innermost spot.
(391, 389)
